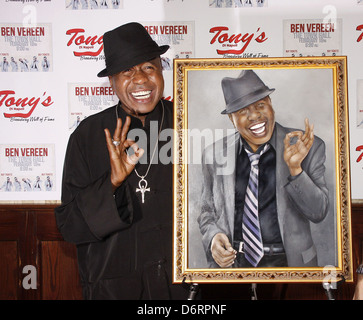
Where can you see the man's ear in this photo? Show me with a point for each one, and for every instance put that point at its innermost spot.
(110, 80)
(231, 118)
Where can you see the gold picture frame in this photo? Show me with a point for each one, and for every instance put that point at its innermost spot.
(315, 87)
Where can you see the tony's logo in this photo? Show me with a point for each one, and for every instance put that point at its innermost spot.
(235, 43)
(87, 45)
(22, 107)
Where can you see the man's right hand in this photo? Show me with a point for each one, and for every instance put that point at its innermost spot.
(122, 164)
(222, 250)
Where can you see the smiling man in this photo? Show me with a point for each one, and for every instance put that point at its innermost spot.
(115, 208)
(139, 88)
(260, 215)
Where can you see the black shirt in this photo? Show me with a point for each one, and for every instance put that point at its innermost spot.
(266, 193)
(131, 257)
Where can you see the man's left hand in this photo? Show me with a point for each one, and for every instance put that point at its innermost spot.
(121, 162)
(294, 154)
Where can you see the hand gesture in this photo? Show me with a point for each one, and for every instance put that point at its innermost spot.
(294, 154)
(222, 251)
(122, 164)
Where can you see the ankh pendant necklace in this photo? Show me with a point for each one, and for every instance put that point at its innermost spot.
(143, 182)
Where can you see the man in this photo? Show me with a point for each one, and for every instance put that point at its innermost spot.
(17, 184)
(115, 208)
(23, 65)
(270, 228)
(27, 184)
(7, 185)
(37, 186)
(35, 65)
(48, 184)
(14, 65)
(45, 64)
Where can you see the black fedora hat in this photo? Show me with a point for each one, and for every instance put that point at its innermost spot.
(240, 92)
(127, 46)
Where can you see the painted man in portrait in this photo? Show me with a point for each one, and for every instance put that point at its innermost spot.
(259, 214)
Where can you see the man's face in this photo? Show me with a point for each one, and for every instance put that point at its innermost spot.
(140, 87)
(255, 122)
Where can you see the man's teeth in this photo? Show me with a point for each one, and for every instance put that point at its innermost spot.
(141, 94)
(258, 128)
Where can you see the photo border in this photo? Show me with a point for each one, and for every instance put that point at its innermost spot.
(343, 270)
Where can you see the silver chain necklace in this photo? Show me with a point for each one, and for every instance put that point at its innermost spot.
(143, 182)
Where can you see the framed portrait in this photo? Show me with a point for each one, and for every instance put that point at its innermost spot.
(228, 108)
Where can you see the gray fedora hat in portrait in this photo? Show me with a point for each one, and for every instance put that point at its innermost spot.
(128, 46)
(244, 90)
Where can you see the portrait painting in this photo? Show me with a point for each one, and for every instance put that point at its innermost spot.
(261, 170)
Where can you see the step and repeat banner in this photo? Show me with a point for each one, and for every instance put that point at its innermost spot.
(52, 50)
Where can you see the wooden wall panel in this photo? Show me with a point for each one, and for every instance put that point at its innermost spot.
(12, 230)
(9, 270)
(29, 236)
(60, 279)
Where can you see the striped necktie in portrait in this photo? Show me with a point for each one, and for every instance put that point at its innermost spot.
(251, 232)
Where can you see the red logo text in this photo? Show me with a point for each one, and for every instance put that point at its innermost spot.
(360, 28)
(233, 40)
(20, 105)
(359, 148)
(91, 45)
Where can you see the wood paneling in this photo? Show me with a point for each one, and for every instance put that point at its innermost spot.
(29, 236)
(9, 270)
(60, 280)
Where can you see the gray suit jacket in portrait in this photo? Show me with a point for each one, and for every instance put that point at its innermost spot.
(299, 201)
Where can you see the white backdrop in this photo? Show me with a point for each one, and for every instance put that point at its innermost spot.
(38, 110)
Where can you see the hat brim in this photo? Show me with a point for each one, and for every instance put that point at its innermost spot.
(244, 101)
(134, 61)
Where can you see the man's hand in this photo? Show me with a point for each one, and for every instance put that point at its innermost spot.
(294, 154)
(222, 251)
(121, 163)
